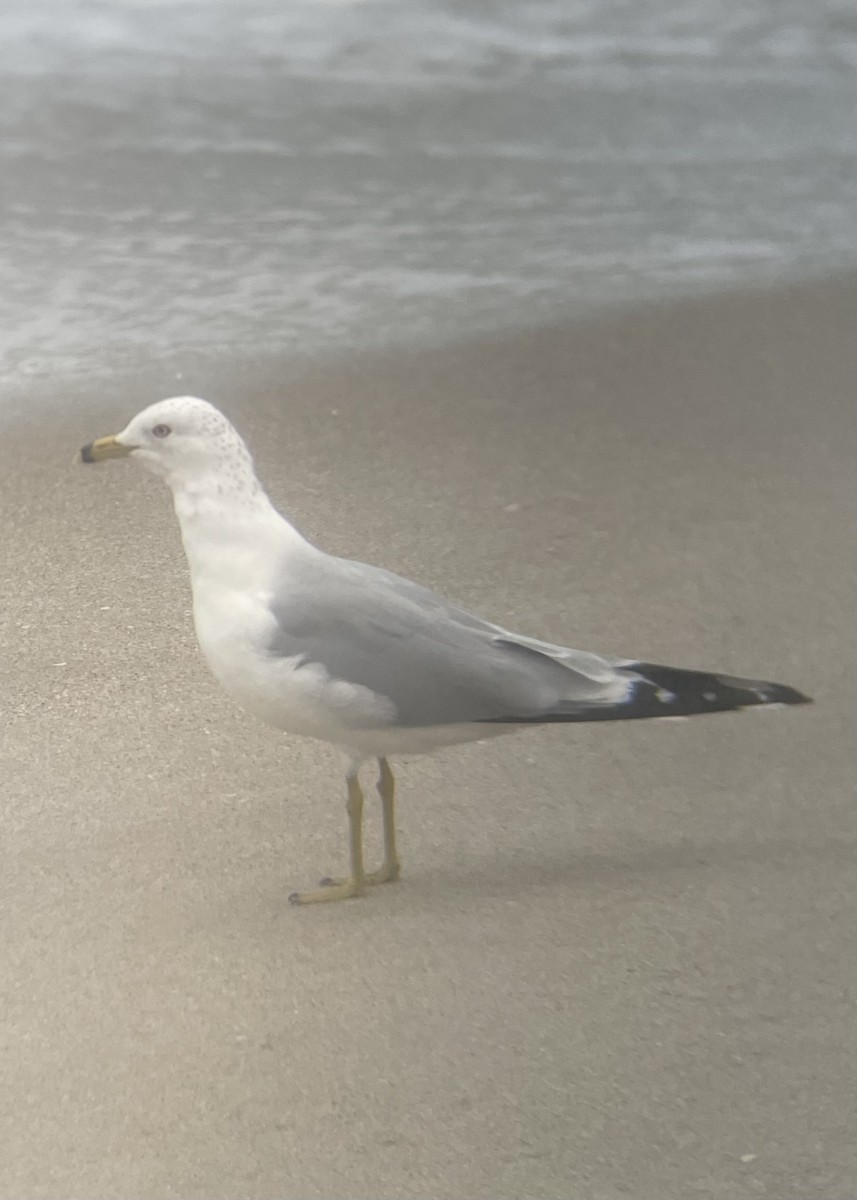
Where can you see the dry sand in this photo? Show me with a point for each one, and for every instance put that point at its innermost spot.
(620, 960)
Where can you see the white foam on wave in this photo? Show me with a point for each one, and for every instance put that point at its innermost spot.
(339, 173)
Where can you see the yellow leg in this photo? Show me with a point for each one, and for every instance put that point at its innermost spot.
(355, 885)
(391, 870)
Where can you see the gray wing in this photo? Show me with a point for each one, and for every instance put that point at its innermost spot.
(437, 664)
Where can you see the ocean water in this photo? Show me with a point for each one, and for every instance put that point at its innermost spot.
(254, 177)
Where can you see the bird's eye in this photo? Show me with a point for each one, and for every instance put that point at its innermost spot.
(161, 431)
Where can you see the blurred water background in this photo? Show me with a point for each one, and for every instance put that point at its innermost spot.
(299, 177)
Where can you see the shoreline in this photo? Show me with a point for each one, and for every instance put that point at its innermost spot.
(203, 368)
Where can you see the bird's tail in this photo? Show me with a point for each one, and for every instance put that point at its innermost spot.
(656, 691)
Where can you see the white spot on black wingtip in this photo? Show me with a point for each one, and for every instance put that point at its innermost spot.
(710, 696)
(665, 696)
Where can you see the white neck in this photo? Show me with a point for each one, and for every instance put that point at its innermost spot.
(232, 534)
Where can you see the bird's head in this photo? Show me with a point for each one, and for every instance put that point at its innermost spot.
(181, 439)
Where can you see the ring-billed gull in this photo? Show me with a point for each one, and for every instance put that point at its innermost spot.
(358, 656)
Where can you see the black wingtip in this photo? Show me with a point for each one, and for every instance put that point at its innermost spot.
(760, 691)
(86, 453)
(659, 691)
(699, 692)
(780, 693)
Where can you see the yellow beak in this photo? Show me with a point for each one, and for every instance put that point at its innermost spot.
(101, 448)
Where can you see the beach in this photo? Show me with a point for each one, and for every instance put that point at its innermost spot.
(618, 962)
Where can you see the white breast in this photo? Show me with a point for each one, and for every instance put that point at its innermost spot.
(234, 629)
(236, 559)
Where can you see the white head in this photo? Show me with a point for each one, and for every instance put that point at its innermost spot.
(186, 441)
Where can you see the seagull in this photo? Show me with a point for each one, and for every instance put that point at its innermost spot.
(355, 655)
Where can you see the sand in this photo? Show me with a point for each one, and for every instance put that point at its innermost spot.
(620, 962)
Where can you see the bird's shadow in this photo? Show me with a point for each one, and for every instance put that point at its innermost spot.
(505, 874)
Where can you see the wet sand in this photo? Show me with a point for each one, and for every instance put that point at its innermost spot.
(620, 959)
